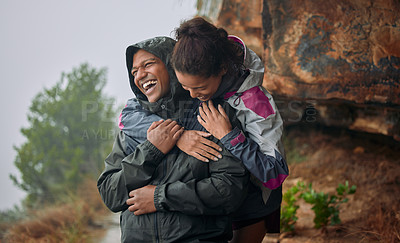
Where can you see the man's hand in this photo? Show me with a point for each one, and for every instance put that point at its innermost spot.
(195, 144)
(164, 134)
(214, 121)
(141, 200)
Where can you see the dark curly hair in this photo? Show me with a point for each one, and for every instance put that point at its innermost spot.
(204, 50)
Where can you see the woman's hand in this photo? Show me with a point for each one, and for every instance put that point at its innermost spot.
(164, 134)
(214, 121)
(141, 200)
(194, 143)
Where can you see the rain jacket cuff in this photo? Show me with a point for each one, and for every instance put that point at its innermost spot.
(157, 153)
(157, 197)
(233, 138)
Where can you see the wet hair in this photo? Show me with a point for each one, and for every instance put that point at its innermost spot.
(204, 50)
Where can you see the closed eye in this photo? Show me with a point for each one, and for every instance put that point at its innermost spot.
(148, 64)
(195, 88)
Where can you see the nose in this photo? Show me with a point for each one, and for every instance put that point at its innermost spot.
(193, 93)
(140, 73)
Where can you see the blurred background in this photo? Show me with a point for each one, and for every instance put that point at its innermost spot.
(42, 39)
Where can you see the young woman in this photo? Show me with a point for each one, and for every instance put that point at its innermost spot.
(212, 65)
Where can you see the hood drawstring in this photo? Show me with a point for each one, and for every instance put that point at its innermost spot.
(236, 102)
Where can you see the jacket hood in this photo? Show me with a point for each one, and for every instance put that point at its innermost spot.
(161, 47)
(253, 64)
(251, 74)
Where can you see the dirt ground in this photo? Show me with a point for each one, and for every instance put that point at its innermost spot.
(326, 157)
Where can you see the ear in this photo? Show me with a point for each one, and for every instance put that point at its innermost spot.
(224, 70)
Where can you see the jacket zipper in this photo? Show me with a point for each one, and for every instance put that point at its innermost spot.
(156, 227)
(164, 172)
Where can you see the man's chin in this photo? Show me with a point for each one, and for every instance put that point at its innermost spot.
(153, 99)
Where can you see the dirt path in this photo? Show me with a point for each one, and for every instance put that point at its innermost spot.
(113, 234)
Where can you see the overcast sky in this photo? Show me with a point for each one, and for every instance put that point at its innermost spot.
(41, 39)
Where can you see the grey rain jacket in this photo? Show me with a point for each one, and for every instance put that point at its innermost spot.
(194, 200)
(263, 154)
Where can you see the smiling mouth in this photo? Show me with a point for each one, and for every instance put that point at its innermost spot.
(149, 84)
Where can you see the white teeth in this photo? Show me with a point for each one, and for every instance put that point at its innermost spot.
(150, 82)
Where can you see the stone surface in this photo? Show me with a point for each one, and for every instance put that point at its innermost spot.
(333, 49)
(337, 58)
(237, 17)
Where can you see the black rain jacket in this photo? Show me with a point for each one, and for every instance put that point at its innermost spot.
(194, 199)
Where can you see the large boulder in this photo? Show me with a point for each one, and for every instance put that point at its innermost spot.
(336, 59)
(346, 50)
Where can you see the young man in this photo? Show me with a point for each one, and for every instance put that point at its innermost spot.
(163, 194)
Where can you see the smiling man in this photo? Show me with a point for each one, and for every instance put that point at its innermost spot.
(163, 193)
(151, 75)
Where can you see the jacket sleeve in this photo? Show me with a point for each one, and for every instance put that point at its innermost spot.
(125, 172)
(135, 121)
(262, 150)
(219, 194)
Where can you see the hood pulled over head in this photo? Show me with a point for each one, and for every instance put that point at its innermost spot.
(162, 48)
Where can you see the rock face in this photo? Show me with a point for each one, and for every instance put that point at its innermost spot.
(334, 49)
(339, 59)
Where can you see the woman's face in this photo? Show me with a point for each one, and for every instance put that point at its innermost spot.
(199, 87)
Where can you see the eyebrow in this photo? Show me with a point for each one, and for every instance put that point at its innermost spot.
(144, 61)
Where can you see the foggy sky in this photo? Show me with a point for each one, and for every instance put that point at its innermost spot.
(41, 39)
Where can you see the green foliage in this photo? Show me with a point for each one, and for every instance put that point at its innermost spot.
(325, 206)
(10, 217)
(70, 130)
(289, 207)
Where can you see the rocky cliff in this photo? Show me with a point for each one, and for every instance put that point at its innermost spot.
(334, 62)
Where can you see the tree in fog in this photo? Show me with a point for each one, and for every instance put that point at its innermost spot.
(70, 131)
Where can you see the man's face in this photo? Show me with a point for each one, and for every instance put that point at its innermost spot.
(199, 87)
(151, 75)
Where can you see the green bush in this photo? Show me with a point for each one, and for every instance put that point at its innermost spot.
(325, 206)
(289, 207)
